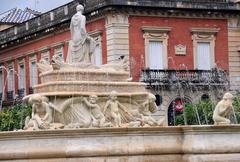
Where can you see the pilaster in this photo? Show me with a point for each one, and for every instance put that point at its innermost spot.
(117, 31)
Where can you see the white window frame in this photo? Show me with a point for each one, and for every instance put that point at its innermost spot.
(46, 55)
(59, 51)
(158, 34)
(32, 59)
(98, 42)
(22, 62)
(204, 35)
(3, 82)
(97, 36)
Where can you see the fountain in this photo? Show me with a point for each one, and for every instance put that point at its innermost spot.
(83, 112)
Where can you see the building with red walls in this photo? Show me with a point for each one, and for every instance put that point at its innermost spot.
(178, 48)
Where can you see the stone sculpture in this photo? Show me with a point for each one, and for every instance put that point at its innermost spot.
(78, 94)
(81, 46)
(42, 113)
(98, 118)
(116, 111)
(223, 109)
(44, 66)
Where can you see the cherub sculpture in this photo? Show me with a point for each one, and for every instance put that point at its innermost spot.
(115, 110)
(41, 112)
(223, 109)
(98, 117)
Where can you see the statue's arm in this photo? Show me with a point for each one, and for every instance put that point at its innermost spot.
(71, 28)
(33, 111)
(105, 107)
(87, 103)
(83, 24)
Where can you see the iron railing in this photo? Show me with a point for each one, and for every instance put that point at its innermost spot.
(213, 77)
(37, 24)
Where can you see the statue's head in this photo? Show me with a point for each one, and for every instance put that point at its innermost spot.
(151, 97)
(227, 96)
(93, 98)
(113, 95)
(79, 8)
(35, 99)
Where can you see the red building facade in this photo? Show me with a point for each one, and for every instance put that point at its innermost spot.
(162, 42)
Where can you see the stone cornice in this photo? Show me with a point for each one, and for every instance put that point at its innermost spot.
(154, 29)
(208, 31)
(119, 142)
(95, 33)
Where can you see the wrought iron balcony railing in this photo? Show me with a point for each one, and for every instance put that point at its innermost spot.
(213, 77)
(21, 92)
(10, 95)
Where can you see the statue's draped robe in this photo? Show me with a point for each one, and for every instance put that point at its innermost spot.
(81, 46)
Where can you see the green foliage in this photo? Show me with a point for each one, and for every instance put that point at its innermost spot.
(201, 113)
(13, 118)
(236, 105)
(197, 114)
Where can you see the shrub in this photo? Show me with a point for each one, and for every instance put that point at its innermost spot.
(201, 113)
(13, 118)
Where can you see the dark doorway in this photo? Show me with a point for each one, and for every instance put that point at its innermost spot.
(176, 108)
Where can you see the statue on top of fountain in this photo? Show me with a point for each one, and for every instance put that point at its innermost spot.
(81, 45)
(80, 50)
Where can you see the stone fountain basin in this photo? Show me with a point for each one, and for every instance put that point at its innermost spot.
(84, 75)
(155, 144)
(90, 86)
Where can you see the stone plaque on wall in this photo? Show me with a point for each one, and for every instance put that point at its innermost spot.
(180, 49)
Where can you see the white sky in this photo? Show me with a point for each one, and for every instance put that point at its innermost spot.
(39, 5)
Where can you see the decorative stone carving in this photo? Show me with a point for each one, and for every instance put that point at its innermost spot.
(180, 49)
(67, 85)
(81, 45)
(44, 66)
(98, 119)
(42, 113)
(115, 111)
(223, 109)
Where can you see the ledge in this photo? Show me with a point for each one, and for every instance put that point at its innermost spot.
(154, 29)
(108, 143)
(208, 31)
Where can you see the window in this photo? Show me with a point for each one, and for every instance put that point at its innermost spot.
(156, 41)
(1, 84)
(21, 76)
(203, 47)
(33, 72)
(203, 56)
(156, 55)
(97, 55)
(45, 57)
(10, 78)
(59, 52)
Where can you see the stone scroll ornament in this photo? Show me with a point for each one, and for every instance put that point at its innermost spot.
(82, 112)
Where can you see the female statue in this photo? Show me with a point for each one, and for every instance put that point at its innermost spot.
(81, 46)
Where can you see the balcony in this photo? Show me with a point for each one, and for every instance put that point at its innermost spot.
(184, 78)
(30, 90)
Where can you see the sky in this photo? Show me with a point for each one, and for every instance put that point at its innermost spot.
(39, 5)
